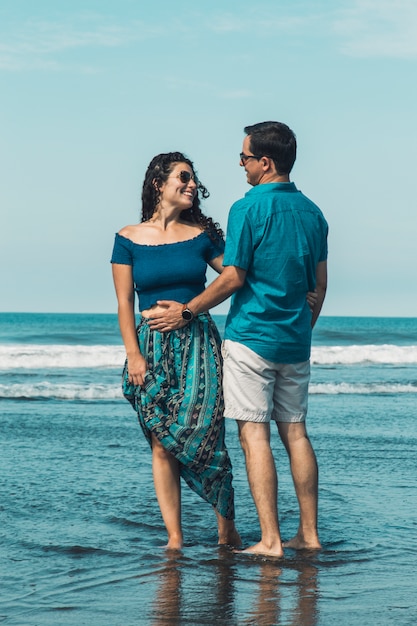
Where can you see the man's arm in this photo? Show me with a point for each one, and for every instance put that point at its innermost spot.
(321, 287)
(229, 281)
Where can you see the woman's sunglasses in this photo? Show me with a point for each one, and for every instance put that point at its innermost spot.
(185, 176)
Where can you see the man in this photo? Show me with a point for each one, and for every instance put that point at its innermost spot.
(276, 251)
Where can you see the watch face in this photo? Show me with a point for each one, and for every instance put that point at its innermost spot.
(187, 315)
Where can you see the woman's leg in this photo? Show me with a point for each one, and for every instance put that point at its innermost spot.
(228, 535)
(166, 477)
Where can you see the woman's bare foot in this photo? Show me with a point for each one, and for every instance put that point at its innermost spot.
(175, 542)
(230, 538)
(228, 535)
(261, 549)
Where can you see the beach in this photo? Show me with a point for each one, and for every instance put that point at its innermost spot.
(81, 533)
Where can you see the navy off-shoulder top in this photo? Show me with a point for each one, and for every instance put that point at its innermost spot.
(171, 271)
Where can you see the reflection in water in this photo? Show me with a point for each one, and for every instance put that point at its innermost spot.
(167, 603)
(266, 606)
(215, 591)
(305, 612)
(272, 600)
(224, 600)
(195, 592)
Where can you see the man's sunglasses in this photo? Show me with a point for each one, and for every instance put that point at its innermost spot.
(244, 157)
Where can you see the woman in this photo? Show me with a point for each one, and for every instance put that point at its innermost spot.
(173, 380)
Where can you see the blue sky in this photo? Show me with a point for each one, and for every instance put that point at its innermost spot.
(91, 90)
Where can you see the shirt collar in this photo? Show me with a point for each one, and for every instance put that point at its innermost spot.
(268, 187)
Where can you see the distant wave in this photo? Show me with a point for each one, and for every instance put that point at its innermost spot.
(93, 392)
(357, 354)
(66, 391)
(26, 356)
(37, 356)
(361, 388)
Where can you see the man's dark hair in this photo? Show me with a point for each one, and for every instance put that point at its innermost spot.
(276, 141)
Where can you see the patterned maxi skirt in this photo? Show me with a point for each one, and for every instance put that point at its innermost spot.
(181, 404)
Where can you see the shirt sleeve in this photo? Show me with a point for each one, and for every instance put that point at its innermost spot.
(239, 239)
(122, 251)
(324, 249)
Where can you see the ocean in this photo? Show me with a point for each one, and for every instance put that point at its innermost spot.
(80, 531)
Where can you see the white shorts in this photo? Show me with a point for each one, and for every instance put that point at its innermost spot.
(257, 390)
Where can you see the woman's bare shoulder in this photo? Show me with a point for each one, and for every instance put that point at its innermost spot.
(131, 231)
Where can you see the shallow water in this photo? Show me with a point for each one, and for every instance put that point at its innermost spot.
(80, 530)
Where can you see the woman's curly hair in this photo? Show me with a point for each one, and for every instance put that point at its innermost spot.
(157, 173)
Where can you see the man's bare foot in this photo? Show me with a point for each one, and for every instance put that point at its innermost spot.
(230, 538)
(299, 543)
(261, 549)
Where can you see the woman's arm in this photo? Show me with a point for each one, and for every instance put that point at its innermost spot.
(321, 287)
(123, 283)
(217, 263)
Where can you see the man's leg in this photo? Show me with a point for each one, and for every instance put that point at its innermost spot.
(304, 472)
(263, 483)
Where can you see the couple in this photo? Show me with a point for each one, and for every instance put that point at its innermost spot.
(275, 253)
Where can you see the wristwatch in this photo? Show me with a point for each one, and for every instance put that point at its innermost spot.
(187, 314)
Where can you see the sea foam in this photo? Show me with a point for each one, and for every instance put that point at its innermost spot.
(26, 356)
(18, 356)
(356, 354)
(52, 391)
(98, 392)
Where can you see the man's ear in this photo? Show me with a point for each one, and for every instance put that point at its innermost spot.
(268, 164)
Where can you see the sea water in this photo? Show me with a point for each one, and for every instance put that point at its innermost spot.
(81, 535)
